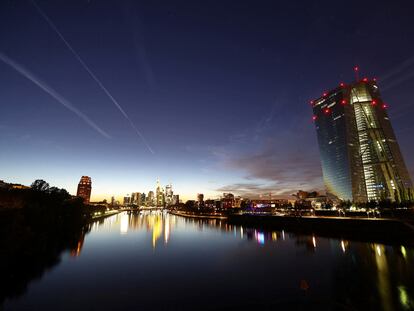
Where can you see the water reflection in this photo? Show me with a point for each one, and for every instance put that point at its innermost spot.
(124, 223)
(196, 257)
(75, 251)
(387, 282)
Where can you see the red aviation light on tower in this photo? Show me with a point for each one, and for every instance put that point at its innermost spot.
(327, 111)
(343, 102)
(341, 84)
(356, 70)
(374, 102)
(365, 79)
(314, 118)
(324, 94)
(311, 102)
(384, 106)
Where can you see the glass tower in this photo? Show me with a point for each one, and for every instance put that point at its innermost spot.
(361, 159)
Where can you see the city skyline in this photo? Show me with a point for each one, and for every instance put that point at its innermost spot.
(226, 113)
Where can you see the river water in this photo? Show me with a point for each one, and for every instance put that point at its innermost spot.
(157, 261)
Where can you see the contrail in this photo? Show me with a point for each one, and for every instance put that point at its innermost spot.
(27, 74)
(93, 76)
(407, 63)
(398, 81)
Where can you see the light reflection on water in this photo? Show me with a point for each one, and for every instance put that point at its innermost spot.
(173, 262)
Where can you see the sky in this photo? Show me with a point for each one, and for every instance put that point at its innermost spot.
(212, 96)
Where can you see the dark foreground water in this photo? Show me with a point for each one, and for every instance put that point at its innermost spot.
(155, 261)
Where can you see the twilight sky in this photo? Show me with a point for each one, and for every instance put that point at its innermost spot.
(218, 89)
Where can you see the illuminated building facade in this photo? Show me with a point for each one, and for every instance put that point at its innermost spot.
(143, 199)
(150, 198)
(160, 198)
(85, 189)
(361, 159)
(176, 199)
(133, 198)
(200, 197)
(228, 200)
(168, 194)
(138, 198)
(127, 200)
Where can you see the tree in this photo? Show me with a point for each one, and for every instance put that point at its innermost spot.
(60, 194)
(54, 190)
(40, 185)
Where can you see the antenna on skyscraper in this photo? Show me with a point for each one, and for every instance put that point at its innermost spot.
(356, 70)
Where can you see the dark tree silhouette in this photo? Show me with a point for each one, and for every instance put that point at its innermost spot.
(58, 195)
(40, 185)
(33, 234)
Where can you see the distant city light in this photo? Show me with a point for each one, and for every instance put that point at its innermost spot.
(403, 251)
(260, 238)
(124, 224)
(378, 250)
(343, 246)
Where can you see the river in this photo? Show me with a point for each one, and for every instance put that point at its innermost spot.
(157, 261)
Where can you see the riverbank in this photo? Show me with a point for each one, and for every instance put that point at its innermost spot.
(198, 216)
(380, 230)
(388, 231)
(103, 216)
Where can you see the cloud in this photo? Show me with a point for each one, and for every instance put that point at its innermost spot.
(280, 172)
(398, 68)
(282, 157)
(255, 190)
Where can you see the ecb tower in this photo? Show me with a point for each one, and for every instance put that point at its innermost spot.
(360, 155)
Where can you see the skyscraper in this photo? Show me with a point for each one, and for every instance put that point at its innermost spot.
(168, 194)
(127, 200)
(159, 195)
(84, 189)
(200, 199)
(150, 198)
(176, 199)
(138, 199)
(361, 159)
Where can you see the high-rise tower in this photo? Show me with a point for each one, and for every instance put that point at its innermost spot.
(159, 195)
(84, 189)
(361, 159)
(168, 194)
